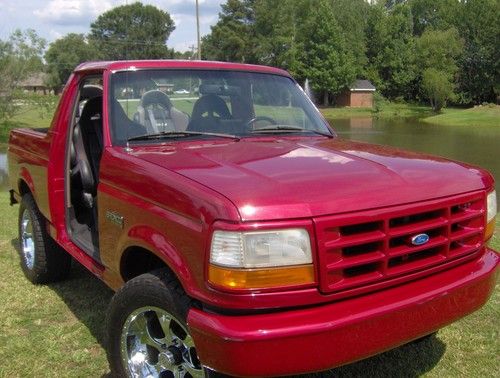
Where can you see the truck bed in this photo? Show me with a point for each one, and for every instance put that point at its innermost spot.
(28, 160)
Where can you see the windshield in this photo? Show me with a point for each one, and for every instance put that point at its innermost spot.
(206, 103)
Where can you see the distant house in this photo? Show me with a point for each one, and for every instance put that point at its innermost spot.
(164, 86)
(359, 95)
(35, 83)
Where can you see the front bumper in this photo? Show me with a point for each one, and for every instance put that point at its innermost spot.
(326, 336)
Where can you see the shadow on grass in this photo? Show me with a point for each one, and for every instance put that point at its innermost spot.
(408, 361)
(88, 298)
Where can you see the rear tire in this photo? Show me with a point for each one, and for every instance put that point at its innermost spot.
(42, 259)
(147, 331)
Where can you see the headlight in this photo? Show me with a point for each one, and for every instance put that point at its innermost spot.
(261, 259)
(491, 212)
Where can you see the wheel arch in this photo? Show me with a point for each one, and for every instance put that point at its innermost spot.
(136, 260)
(23, 187)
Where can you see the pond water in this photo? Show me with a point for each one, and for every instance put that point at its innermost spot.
(475, 145)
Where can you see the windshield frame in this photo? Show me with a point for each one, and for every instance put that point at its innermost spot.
(312, 109)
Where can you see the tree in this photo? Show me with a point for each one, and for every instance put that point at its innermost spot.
(439, 49)
(64, 54)
(433, 14)
(437, 52)
(391, 50)
(352, 17)
(438, 87)
(232, 37)
(276, 28)
(134, 31)
(479, 65)
(20, 56)
(324, 58)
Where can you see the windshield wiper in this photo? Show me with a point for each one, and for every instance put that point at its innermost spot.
(288, 129)
(180, 134)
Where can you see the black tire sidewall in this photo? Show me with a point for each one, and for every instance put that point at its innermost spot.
(51, 262)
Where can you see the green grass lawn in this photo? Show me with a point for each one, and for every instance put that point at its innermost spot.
(58, 330)
(386, 110)
(488, 115)
(27, 116)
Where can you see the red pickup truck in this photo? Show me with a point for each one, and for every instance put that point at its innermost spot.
(241, 234)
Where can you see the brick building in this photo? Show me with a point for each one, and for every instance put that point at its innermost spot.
(359, 95)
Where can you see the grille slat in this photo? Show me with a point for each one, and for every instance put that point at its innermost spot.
(417, 227)
(355, 240)
(434, 242)
(379, 248)
(345, 263)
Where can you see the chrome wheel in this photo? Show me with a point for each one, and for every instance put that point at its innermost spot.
(27, 242)
(155, 344)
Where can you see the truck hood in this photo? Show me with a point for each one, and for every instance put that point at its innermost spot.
(271, 178)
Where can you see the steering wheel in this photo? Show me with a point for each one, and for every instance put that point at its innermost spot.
(250, 122)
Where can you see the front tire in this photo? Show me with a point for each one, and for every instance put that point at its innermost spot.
(42, 260)
(147, 331)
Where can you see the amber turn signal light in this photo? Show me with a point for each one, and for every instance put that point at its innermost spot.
(490, 229)
(251, 279)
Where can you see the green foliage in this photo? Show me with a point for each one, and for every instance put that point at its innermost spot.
(437, 52)
(439, 49)
(352, 17)
(433, 14)
(390, 42)
(276, 31)
(20, 56)
(437, 87)
(134, 31)
(479, 66)
(64, 54)
(324, 56)
(391, 53)
(231, 38)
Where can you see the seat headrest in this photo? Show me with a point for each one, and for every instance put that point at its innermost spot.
(91, 108)
(211, 104)
(156, 97)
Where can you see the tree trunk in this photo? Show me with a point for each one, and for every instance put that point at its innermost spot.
(325, 98)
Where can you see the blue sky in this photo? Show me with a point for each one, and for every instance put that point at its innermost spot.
(53, 19)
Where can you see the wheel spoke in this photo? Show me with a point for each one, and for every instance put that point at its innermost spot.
(27, 241)
(165, 322)
(146, 354)
(154, 369)
(193, 372)
(140, 329)
(179, 372)
(188, 341)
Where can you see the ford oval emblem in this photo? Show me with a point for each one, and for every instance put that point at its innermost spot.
(419, 239)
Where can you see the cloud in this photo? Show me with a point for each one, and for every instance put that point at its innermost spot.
(71, 12)
(188, 6)
(55, 18)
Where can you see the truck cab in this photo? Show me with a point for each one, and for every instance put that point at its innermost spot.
(238, 228)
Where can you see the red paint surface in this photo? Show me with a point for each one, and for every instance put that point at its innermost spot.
(174, 194)
(322, 337)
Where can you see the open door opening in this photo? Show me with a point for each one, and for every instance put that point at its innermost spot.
(85, 146)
